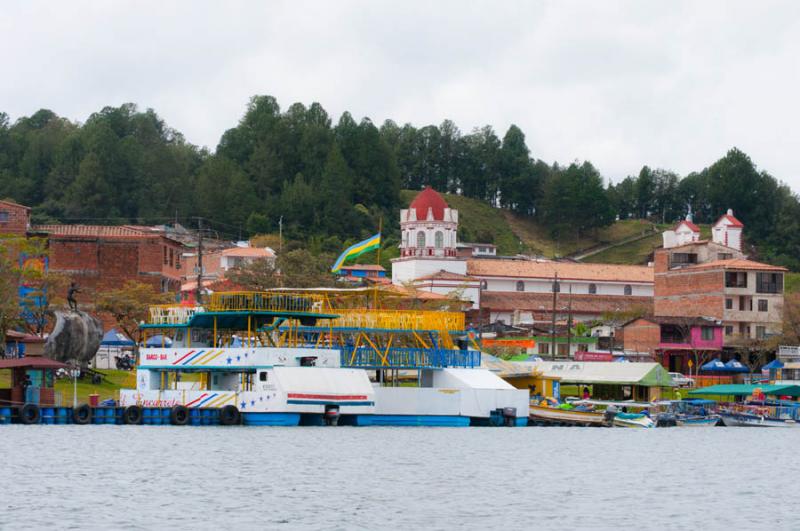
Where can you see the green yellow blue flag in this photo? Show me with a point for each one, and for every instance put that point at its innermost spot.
(370, 244)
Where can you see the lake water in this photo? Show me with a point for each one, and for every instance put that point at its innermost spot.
(145, 477)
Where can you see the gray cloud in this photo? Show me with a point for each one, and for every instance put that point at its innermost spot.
(669, 84)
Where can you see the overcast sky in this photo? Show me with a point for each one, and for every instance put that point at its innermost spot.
(622, 84)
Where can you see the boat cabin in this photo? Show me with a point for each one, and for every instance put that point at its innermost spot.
(30, 380)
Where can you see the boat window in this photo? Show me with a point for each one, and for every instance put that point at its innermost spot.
(262, 377)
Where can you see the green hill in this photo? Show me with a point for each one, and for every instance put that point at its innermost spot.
(632, 240)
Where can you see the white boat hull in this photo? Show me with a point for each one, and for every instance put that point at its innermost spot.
(707, 422)
(755, 421)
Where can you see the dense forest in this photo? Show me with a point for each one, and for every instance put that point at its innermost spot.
(332, 183)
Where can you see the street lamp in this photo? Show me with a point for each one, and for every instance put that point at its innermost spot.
(75, 373)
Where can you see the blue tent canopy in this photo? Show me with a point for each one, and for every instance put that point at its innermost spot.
(714, 365)
(156, 341)
(114, 338)
(774, 364)
(736, 366)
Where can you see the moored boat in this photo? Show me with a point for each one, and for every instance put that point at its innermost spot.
(633, 420)
(570, 417)
(689, 421)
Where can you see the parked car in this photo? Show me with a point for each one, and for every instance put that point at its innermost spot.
(680, 380)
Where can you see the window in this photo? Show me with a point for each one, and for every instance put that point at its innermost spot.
(484, 284)
(706, 333)
(684, 258)
(439, 239)
(544, 348)
(673, 334)
(520, 285)
(556, 287)
(735, 279)
(593, 289)
(724, 256)
(729, 304)
(166, 259)
(761, 332)
(763, 305)
(262, 377)
(3, 216)
(769, 283)
(171, 257)
(745, 304)
(420, 239)
(563, 350)
(582, 347)
(744, 329)
(628, 289)
(729, 330)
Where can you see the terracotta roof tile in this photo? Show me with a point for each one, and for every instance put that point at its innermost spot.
(447, 275)
(365, 267)
(248, 252)
(95, 230)
(737, 263)
(543, 302)
(566, 270)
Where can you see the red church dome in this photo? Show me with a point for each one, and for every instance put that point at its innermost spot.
(429, 198)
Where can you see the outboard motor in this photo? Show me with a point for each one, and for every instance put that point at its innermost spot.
(331, 415)
(611, 412)
(510, 416)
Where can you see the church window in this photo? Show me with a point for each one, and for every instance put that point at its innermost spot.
(520, 285)
(439, 239)
(420, 239)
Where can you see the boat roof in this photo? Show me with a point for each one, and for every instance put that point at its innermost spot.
(747, 389)
(32, 362)
(236, 319)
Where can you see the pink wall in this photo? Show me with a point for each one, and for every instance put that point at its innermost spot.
(697, 340)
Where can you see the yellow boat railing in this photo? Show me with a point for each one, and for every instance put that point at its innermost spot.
(397, 320)
(269, 301)
(172, 314)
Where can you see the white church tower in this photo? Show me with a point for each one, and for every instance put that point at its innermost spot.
(428, 232)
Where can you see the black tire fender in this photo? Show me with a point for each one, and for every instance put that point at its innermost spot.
(132, 415)
(30, 414)
(179, 416)
(229, 416)
(82, 414)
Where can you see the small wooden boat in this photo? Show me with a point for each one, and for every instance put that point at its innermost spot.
(698, 421)
(633, 420)
(571, 417)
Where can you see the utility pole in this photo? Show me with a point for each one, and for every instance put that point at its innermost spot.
(569, 319)
(553, 324)
(198, 294)
(280, 235)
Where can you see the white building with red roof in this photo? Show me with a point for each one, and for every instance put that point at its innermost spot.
(728, 231)
(684, 232)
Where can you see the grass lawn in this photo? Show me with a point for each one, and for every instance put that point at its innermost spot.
(114, 381)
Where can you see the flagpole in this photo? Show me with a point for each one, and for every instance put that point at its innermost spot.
(378, 260)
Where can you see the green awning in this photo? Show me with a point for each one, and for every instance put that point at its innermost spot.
(747, 389)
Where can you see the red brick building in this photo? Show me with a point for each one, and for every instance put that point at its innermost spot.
(100, 257)
(14, 218)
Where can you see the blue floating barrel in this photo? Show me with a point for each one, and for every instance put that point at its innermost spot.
(5, 415)
(63, 415)
(165, 411)
(195, 417)
(48, 415)
(147, 415)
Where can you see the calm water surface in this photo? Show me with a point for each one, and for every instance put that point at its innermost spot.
(145, 477)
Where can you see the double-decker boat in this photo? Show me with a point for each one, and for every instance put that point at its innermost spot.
(287, 358)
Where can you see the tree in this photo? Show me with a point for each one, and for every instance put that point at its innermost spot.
(129, 306)
(293, 269)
